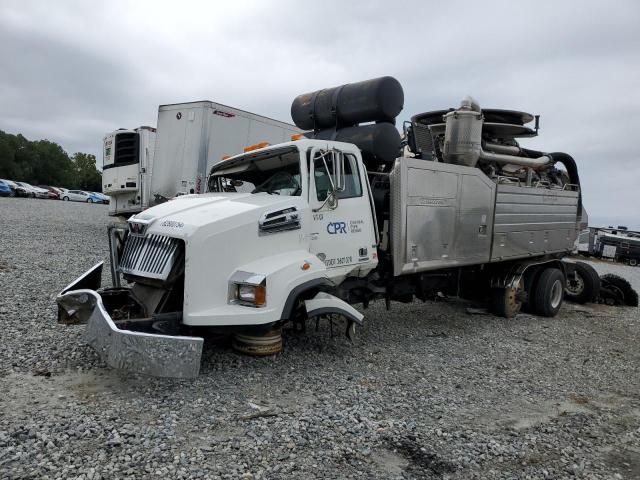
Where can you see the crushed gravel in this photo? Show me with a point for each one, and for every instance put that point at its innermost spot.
(427, 391)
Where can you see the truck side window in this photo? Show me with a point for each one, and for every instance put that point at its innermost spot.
(352, 184)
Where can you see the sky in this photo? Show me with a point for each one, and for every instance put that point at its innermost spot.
(71, 71)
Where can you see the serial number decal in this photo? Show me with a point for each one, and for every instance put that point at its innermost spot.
(435, 202)
(336, 262)
(172, 224)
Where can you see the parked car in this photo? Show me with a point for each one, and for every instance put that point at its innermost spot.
(79, 196)
(103, 198)
(12, 185)
(54, 193)
(26, 190)
(5, 189)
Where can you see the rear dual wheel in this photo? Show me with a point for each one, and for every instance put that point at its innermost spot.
(507, 302)
(583, 285)
(547, 292)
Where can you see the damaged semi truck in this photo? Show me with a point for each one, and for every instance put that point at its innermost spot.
(346, 214)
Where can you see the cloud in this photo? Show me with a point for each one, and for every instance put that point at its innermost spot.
(76, 71)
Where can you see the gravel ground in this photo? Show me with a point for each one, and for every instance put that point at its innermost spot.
(427, 391)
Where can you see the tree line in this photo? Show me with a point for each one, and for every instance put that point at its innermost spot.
(42, 162)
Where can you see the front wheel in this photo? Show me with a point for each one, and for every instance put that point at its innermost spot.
(65, 199)
(89, 200)
(548, 292)
(633, 262)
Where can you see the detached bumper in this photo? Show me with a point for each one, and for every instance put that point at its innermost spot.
(147, 353)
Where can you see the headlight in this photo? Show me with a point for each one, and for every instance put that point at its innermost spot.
(247, 288)
(253, 294)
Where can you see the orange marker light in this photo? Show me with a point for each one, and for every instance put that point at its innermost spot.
(224, 157)
(260, 295)
(256, 146)
(296, 136)
(306, 266)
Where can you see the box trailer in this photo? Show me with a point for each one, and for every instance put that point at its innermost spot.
(144, 167)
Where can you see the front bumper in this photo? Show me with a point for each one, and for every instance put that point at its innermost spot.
(141, 352)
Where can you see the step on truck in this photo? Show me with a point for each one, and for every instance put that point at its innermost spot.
(146, 166)
(348, 213)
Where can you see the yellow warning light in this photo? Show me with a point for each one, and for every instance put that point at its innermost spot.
(296, 136)
(256, 146)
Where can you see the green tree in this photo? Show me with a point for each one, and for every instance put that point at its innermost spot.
(87, 176)
(43, 162)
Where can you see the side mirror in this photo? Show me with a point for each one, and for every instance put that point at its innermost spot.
(337, 158)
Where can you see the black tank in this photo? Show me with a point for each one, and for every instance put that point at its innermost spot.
(378, 142)
(377, 100)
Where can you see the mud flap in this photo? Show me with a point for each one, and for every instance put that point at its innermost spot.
(325, 304)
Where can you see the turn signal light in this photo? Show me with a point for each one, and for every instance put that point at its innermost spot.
(256, 146)
(224, 157)
(296, 136)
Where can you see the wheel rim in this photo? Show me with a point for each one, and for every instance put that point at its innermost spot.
(556, 294)
(633, 262)
(575, 286)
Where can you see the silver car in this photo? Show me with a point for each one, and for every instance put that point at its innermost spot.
(75, 196)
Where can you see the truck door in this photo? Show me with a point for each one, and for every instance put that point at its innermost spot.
(342, 233)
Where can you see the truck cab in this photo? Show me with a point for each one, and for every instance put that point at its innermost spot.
(331, 180)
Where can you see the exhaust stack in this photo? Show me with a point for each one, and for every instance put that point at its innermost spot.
(463, 141)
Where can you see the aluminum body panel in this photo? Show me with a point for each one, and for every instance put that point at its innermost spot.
(445, 215)
(441, 215)
(533, 221)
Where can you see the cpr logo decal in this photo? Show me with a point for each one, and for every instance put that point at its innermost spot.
(336, 227)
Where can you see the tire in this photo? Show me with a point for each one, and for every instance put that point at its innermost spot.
(65, 199)
(633, 262)
(585, 287)
(548, 292)
(505, 302)
(89, 200)
(630, 296)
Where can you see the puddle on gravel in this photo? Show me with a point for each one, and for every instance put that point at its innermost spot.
(525, 415)
(24, 393)
(390, 462)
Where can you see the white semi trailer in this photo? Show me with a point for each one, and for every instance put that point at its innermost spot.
(307, 228)
(145, 166)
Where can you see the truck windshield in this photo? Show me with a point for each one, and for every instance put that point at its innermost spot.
(274, 172)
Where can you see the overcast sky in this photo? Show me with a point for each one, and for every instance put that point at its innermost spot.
(73, 71)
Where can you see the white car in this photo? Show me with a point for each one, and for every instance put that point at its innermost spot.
(75, 196)
(26, 190)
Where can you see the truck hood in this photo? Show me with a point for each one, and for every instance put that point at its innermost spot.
(183, 215)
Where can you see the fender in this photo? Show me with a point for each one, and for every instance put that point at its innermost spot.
(313, 284)
(324, 303)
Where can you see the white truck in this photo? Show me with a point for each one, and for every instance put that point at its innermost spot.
(144, 166)
(307, 228)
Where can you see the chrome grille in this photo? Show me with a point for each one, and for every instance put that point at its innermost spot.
(149, 256)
